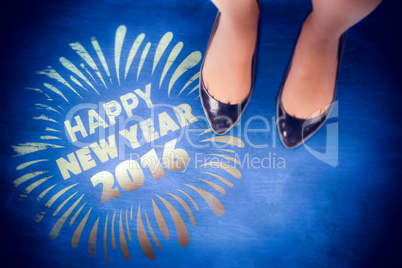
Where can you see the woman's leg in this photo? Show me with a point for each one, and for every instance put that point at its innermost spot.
(309, 87)
(227, 67)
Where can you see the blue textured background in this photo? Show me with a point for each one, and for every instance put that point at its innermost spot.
(309, 214)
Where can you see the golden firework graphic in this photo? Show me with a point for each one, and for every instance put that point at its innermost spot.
(121, 225)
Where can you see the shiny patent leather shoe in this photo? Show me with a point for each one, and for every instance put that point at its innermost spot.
(294, 131)
(222, 116)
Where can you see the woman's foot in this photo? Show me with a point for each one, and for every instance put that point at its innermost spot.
(227, 67)
(310, 84)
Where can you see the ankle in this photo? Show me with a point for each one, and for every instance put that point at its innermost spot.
(320, 31)
(242, 12)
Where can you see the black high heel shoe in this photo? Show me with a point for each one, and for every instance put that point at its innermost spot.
(294, 131)
(222, 116)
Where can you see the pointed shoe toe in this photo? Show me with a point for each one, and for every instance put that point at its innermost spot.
(221, 116)
(294, 131)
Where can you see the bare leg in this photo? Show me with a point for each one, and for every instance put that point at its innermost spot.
(227, 68)
(309, 87)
